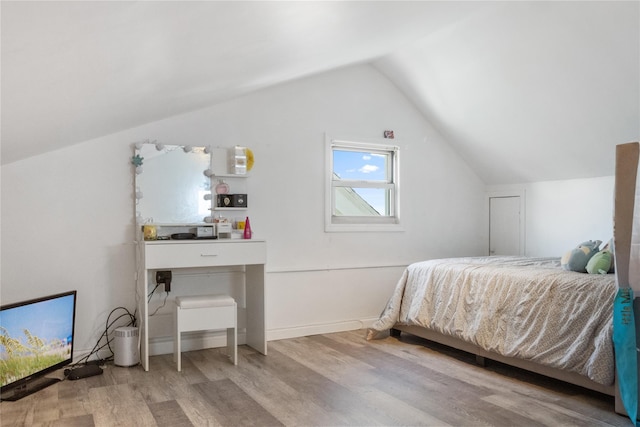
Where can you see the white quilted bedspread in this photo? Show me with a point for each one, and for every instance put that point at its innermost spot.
(519, 307)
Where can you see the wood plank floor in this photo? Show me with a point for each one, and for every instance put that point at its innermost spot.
(323, 380)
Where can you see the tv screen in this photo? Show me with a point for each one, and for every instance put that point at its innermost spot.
(36, 338)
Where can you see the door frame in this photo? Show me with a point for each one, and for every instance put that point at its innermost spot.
(507, 192)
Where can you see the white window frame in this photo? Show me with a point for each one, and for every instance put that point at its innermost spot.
(362, 223)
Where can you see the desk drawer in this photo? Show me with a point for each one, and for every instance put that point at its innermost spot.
(204, 254)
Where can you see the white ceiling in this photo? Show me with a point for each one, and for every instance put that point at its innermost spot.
(525, 91)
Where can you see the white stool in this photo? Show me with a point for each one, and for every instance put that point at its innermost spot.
(206, 312)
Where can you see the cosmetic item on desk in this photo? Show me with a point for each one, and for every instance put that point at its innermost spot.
(206, 232)
(224, 229)
(240, 225)
(247, 228)
(150, 232)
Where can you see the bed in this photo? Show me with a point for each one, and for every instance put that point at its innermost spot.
(526, 312)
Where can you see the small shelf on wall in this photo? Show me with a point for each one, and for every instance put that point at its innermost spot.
(229, 209)
(229, 175)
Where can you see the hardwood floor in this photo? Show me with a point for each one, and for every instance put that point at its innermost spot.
(323, 380)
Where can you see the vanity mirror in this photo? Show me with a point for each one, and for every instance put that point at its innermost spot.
(171, 184)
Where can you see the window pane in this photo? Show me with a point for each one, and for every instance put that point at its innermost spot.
(362, 188)
(361, 165)
(361, 201)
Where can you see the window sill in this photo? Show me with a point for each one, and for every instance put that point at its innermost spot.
(340, 228)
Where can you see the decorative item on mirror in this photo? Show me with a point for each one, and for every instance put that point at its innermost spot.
(137, 162)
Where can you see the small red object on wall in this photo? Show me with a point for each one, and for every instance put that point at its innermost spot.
(388, 134)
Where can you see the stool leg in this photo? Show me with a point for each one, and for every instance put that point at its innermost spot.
(232, 344)
(177, 351)
(232, 337)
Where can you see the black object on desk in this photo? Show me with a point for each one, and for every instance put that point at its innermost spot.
(183, 236)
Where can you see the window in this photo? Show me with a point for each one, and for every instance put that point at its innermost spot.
(362, 186)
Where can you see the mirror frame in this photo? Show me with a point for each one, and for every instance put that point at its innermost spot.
(170, 176)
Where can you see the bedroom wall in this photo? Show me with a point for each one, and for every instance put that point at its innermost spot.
(67, 216)
(562, 214)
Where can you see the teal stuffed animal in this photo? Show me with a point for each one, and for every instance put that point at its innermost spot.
(578, 258)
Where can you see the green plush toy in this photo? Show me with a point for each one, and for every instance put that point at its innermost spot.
(609, 247)
(578, 258)
(600, 263)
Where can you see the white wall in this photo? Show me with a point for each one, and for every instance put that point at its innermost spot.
(559, 215)
(68, 216)
(562, 214)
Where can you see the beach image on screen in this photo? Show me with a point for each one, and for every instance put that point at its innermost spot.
(34, 337)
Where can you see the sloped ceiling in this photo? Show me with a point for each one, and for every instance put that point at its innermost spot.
(525, 91)
(530, 91)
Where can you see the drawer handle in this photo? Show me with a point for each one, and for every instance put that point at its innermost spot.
(208, 254)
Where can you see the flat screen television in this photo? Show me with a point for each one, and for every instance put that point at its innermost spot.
(36, 338)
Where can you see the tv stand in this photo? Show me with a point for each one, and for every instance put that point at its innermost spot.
(28, 388)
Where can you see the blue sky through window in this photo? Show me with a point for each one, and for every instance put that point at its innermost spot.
(363, 166)
(358, 165)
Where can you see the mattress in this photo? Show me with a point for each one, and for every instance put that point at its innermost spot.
(528, 308)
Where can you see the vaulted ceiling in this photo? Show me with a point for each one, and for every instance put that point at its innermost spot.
(524, 91)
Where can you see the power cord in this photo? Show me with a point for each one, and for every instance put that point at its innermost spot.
(105, 335)
(166, 295)
(153, 291)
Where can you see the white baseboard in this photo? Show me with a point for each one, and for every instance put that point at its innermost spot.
(199, 341)
(325, 328)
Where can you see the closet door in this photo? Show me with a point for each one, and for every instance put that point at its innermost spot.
(504, 225)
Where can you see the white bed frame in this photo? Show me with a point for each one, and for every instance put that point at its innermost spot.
(481, 354)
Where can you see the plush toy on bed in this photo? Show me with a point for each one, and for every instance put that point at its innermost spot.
(578, 258)
(602, 262)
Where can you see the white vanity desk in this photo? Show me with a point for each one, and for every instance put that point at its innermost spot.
(176, 254)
